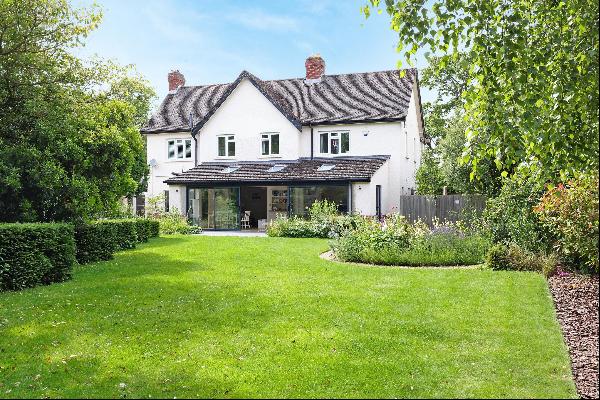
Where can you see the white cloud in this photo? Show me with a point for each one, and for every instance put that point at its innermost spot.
(171, 23)
(260, 20)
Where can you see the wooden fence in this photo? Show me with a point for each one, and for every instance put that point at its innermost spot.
(443, 208)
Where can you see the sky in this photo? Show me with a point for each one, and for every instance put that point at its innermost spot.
(212, 41)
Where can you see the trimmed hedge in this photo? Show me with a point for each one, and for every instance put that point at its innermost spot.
(142, 229)
(35, 254)
(95, 241)
(125, 232)
(99, 240)
(43, 253)
(154, 227)
(146, 229)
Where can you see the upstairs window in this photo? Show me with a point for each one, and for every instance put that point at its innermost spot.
(269, 144)
(179, 149)
(226, 146)
(334, 142)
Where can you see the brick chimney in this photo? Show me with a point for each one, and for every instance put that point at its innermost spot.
(176, 79)
(315, 67)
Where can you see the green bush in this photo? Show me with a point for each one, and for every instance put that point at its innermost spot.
(173, 222)
(324, 221)
(24, 269)
(95, 241)
(34, 254)
(293, 227)
(497, 258)
(146, 228)
(99, 240)
(396, 242)
(510, 217)
(571, 213)
(142, 229)
(153, 228)
(512, 257)
(125, 232)
(444, 249)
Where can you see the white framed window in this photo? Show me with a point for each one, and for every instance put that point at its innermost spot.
(269, 144)
(179, 149)
(334, 142)
(226, 146)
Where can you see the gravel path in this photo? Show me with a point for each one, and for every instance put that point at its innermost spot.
(576, 301)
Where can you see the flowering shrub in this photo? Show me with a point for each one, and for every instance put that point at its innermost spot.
(571, 213)
(397, 242)
(173, 222)
(324, 222)
(291, 227)
(170, 222)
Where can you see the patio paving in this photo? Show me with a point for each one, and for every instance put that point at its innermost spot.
(248, 233)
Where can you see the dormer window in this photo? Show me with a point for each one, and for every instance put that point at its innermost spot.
(277, 168)
(230, 169)
(226, 146)
(326, 167)
(334, 142)
(269, 144)
(179, 149)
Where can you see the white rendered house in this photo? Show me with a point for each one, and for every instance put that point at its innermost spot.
(272, 148)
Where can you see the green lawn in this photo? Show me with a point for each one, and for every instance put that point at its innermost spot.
(266, 317)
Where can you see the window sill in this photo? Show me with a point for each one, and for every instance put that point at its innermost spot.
(270, 156)
(225, 158)
(180, 160)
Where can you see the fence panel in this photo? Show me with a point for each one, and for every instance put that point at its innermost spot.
(443, 208)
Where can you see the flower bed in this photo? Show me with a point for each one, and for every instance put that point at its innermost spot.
(396, 242)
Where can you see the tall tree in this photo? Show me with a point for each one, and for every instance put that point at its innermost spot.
(69, 144)
(449, 81)
(444, 120)
(532, 93)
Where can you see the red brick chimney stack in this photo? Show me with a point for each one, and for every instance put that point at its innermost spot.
(315, 67)
(176, 79)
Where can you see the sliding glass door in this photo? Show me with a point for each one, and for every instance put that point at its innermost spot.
(214, 208)
(302, 197)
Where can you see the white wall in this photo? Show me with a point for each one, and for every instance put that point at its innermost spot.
(157, 150)
(364, 197)
(247, 114)
(414, 127)
(177, 197)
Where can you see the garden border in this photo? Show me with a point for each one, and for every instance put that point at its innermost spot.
(328, 256)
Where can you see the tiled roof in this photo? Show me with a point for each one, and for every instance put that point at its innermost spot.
(346, 169)
(369, 96)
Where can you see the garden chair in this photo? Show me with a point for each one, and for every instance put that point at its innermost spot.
(246, 220)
